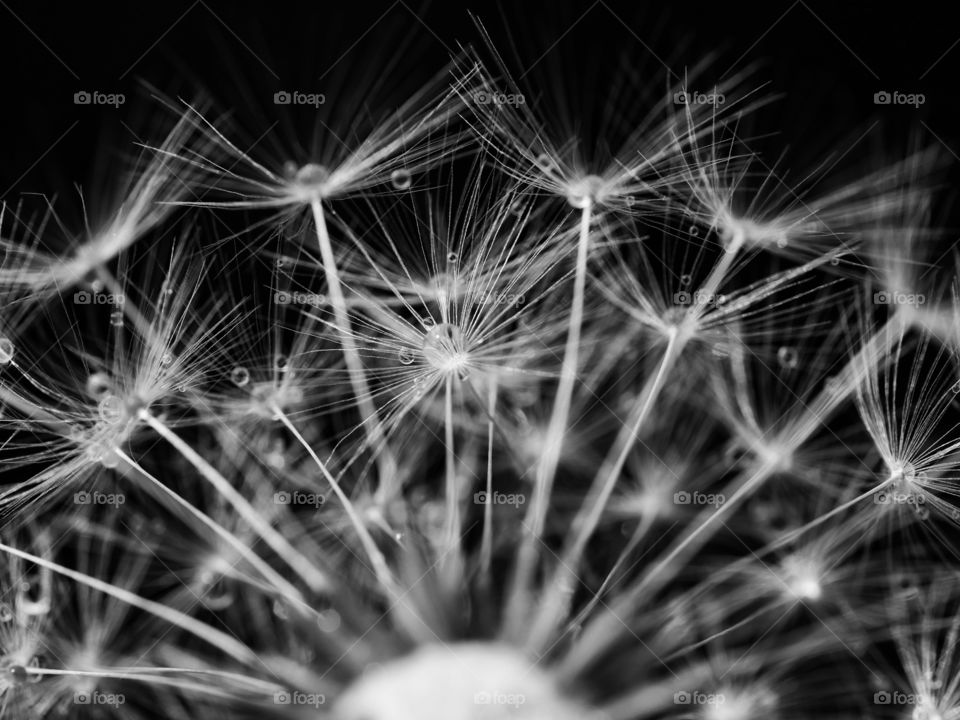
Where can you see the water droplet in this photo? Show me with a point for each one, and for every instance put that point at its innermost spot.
(18, 674)
(788, 357)
(239, 376)
(110, 409)
(281, 363)
(694, 230)
(280, 262)
(328, 620)
(116, 318)
(98, 385)
(451, 257)
(545, 161)
(6, 350)
(923, 512)
(406, 356)
(685, 280)
(443, 346)
(956, 388)
(109, 458)
(166, 359)
(781, 242)
(6, 614)
(516, 208)
(401, 179)
(280, 610)
(835, 261)
(96, 286)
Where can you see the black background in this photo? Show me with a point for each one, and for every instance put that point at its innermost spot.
(824, 59)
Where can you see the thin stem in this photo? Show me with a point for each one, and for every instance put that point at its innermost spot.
(315, 579)
(358, 379)
(486, 543)
(223, 641)
(370, 547)
(281, 584)
(553, 441)
(450, 462)
(556, 603)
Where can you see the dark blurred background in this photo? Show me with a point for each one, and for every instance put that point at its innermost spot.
(825, 59)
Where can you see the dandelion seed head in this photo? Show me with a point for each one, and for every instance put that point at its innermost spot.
(463, 680)
(444, 349)
(309, 182)
(586, 192)
(802, 576)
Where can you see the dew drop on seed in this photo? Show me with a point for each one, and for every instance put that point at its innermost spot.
(109, 459)
(281, 363)
(401, 179)
(110, 409)
(239, 376)
(280, 610)
(685, 280)
(406, 356)
(328, 620)
(18, 674)
(98, 385)
(6, 350)
(787, 357)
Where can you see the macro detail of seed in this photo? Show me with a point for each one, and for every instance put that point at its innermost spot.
(385, 361)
